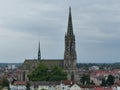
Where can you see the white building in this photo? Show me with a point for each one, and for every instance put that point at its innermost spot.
(94, 68)
(75, 87)
(18, 86)
(46, 87)
(118, 87)
(65, 85)
(40, 85)
(11, 67)
(5, 88)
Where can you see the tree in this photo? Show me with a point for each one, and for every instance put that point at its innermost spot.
(103, 82)
(92, 82)
(57, 74)
(43, 73)
(85, 79)
(0, 88)
(110, 80)
(28, 86)
(5, 82)
(39, 74)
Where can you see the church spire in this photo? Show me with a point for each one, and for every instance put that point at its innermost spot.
(39, 53)
(70, 50)
(70, 26)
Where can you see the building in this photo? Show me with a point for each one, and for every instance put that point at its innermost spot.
(40, 85)
(69, 63)
(18, 86)
(75, 87)
(65, 84)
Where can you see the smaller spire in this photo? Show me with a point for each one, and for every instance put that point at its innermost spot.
(39, 53)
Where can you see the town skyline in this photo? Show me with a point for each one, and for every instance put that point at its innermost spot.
(24, 23)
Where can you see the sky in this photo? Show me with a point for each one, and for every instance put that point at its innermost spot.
(23, 23)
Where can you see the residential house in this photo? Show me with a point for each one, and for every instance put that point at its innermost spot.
(90, 87)
(39, 85)
(18, 86)
(75, 87)
(118, 87)
(65, 84)
(103, 88)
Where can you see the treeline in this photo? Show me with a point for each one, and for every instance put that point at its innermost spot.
(6, 64)
(100, 65)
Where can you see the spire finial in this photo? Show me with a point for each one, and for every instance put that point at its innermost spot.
(70, 26)
(70, 9)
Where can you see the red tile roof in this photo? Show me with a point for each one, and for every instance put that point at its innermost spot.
(19, 83)
(66, 82)
(99, 88)
(87, 86)
(117, 82)
(103, 88)
(98, 73)
(108, 89)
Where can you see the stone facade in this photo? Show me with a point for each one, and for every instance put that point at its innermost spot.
(70, 52)
(70, 57)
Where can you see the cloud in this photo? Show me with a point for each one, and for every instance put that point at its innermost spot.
(24, 22)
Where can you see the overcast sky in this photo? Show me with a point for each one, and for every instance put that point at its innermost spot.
(23, 23)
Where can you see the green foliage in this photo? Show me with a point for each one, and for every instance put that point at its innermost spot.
(5, 82)
(92, 82)
(85, 79)
(43, 73)
(39, 74)
(8, 88)
(28, 86)
(0, 88)
(100, 65)
(57, 74)
(110, 81)
(103, 82)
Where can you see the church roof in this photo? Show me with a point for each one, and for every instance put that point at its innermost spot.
(32, 63)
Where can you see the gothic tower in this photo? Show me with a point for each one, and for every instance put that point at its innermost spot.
(39, 53)
(70, 52)
(70, 63)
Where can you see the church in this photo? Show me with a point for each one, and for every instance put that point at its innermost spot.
(69, 63)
